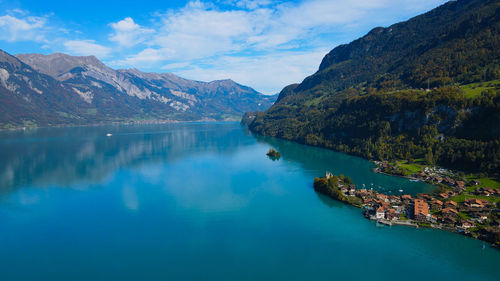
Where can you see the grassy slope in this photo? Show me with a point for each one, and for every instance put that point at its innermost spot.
(474, 89)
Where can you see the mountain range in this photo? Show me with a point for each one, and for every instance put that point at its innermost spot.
(59, 89)
(427, 88)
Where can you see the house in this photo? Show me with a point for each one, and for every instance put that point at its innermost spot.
(451, 193)
(424, 196)
(485, 191)
(361, 193)
(450, 204)
(390, 214)
(406, 197)
(394, 199)
(436, 205)
(385, 205)
(383, 197)
(437, 179)
(368, 201)
(380, 213)
(474, 203)
(449, 181)
(443, 195)
(398, 209)
(432, 218)
(449, 212)
(483, 217)
(420, 210)
(460, 184)
(448, 220)
(467, 224)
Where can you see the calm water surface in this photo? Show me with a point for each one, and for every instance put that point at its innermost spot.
(203, 202)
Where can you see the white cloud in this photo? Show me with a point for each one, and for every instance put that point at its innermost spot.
(201, 30)
(86, 48)
(127, 33)
(144, 58)
(198, 31)
(267, 73)
(249, 4)
(27, 28)
(265, 44)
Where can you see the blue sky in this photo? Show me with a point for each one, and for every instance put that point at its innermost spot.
(260, 43)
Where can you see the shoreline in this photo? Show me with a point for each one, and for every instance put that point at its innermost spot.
(151, 122)
(473, 218)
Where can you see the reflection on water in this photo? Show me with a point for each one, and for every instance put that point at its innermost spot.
(201, 202)
(65, 156)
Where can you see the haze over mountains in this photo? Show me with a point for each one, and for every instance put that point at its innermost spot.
(60, 89)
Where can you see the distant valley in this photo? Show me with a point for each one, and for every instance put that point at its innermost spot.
(59, 89)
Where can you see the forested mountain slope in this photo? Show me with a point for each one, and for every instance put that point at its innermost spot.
(424, 88)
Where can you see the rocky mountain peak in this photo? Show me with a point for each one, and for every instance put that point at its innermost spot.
(58, 64)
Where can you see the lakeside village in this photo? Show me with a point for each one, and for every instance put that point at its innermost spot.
(462, 206)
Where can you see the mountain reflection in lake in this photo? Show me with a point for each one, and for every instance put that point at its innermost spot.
(66, 156)
(201, 201)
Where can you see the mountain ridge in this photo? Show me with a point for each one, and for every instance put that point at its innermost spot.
(96, 93)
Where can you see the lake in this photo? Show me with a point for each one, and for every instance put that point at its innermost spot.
(202, 201)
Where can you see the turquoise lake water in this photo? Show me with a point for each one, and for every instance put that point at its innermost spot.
(201, 201)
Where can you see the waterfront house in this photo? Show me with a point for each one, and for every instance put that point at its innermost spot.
(380, 213)
(432, 218)
(361, 193)
(399, 209)
(467, 224)
(390, 214)
(420, 210)
(424, 196)
(406, 197)
(383, 197)
(448, 220)
(394, 199)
